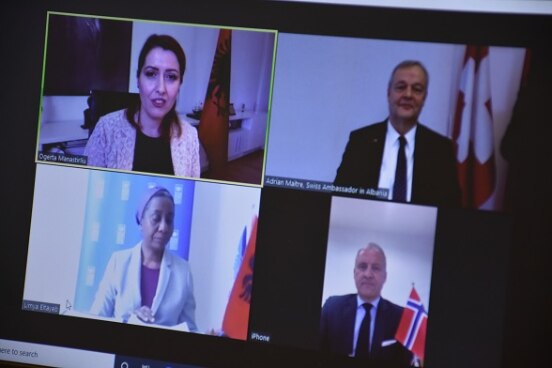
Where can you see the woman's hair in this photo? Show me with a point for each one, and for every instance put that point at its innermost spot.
(156, 191)
(166, 43)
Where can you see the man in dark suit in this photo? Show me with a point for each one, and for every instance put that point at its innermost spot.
(363, 325)
(415, 163)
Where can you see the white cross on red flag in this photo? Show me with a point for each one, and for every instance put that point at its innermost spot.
(473, 130)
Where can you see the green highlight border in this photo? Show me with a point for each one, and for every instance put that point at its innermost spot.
(163, 22)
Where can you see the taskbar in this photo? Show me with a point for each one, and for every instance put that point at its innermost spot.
(25, 354)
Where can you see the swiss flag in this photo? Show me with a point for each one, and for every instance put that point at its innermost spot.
(236, 316)
(473, 130)
(413, 325)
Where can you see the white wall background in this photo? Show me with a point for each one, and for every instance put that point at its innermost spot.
(56, 234)
(221, 212)
(405, 233)
(325, 87)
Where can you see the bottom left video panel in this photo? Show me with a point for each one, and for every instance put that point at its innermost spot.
(152, 251)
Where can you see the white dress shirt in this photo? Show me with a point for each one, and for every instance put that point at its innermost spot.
(360, 313)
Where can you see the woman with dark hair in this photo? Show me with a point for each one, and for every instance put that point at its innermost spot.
(149, 136)
(148, 281)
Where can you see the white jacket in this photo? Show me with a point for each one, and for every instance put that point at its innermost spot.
(119, 296)
(113, 141)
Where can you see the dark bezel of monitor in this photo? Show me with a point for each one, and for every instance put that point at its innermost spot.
(23, 45)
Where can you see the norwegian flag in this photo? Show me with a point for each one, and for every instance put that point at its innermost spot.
(473, 130)
(413, 325)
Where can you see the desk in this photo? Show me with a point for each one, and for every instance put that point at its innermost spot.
(244, 137)
(238, 116)
(62, 131)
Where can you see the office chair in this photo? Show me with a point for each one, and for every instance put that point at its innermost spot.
(101, 103)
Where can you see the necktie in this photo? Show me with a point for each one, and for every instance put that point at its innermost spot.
(363, 340)
(399, 187)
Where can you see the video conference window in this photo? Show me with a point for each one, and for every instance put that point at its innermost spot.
(377, 280)
(340, 129)
(173, 99)
(343, 252)
(151, 182)
(151, 251)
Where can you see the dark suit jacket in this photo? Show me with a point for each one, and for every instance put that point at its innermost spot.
(434, 178)
(337, 330)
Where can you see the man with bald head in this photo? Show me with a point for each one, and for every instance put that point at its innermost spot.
(414, 163)
(363, 325)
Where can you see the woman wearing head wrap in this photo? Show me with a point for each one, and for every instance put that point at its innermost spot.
(149, 281)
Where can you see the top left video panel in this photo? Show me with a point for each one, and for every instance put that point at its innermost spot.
(159, 98)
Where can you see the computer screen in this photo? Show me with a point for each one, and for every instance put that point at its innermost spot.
(272, 184)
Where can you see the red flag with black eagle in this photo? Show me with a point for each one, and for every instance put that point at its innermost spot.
(213, 124)
(236, 316)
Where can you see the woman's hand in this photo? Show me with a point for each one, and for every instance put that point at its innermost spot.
(217, 332)
(145, 314)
